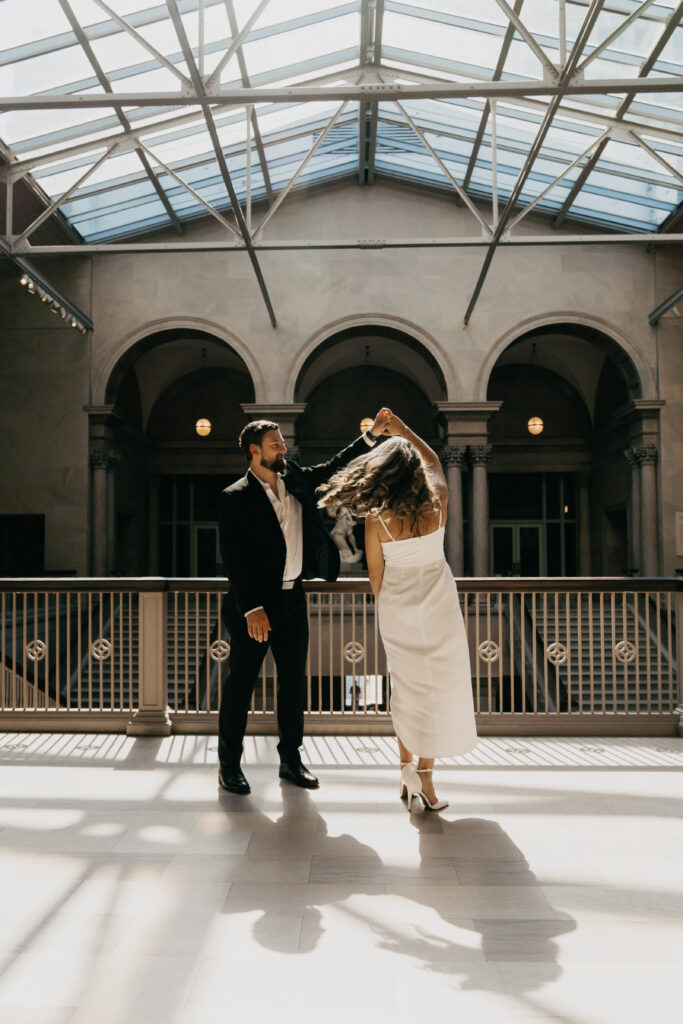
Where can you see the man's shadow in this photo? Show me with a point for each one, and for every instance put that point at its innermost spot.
(297, 809)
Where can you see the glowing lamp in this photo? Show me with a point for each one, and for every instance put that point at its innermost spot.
(203, 427)
(535, 425)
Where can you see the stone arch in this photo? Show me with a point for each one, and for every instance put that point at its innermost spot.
(154, 333)
(373, 321)
(640, 371)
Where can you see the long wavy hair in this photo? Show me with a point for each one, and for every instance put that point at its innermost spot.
(391, 479)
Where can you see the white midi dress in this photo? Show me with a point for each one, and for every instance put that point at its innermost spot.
(423, 632)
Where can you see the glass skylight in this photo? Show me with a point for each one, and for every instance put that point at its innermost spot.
(293, 42)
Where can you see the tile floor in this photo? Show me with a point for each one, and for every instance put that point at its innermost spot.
(133, 892)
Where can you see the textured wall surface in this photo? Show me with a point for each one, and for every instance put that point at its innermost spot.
(48, 373)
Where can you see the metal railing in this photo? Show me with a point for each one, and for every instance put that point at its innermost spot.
(148, 655)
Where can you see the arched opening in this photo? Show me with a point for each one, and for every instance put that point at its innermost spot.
(350, 376)
(167, 472)
(356, 371)
(559, 490)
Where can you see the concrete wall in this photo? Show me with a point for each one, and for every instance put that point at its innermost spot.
(48, 373)
(44, 385)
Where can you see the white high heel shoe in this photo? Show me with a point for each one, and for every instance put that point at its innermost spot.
(407, 768)
(438, 805)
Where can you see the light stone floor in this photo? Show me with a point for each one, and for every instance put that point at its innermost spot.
(133, 892)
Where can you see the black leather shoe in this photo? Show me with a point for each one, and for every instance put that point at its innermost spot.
(299, 775)
(234, 782)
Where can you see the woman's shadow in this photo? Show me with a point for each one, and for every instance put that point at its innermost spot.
(516, 922)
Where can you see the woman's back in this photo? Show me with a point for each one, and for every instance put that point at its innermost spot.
(413, 544)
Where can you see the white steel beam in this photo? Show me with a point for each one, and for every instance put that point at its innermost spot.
(497, 74)
(184, 184)
(643, 75)
(529, 207)
(260, 148)
(565, 78)
(494, 162)
(299, 171)
(201, 29)
(220, 156)
(529, 39)
(454, 182)
(9, 209)
(42, 217)
(459, 242)
(128, 141)
(614, 35)
(215, 77)
(315, 94)
(122, 23)
(125, 123)
(247, 208)
(656, 156)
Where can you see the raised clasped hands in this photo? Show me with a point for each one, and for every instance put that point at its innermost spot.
(386, 422)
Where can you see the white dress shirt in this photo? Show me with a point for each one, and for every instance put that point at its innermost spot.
(289, 515)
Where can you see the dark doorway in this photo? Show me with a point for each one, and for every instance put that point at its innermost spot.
(22, 545)
(189, 525)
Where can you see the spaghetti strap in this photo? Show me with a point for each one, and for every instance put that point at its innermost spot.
(440, 513)
(385, 527)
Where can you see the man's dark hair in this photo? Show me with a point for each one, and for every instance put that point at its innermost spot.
(253, 434)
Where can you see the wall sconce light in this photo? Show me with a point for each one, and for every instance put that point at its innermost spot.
(203, 427)
(365, 424)
(535, 425)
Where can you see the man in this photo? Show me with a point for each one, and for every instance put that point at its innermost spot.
(272, 536)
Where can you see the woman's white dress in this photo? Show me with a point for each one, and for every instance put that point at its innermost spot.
(423, 632)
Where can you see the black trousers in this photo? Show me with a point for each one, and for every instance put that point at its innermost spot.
(289, 642)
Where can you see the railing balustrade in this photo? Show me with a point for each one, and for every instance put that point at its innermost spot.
(583, 656)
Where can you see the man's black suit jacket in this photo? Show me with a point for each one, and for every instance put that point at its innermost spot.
(252, 544)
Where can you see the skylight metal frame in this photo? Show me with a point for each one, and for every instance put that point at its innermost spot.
(381, 75)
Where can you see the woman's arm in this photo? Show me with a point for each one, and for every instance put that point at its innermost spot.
(373, 555)
(396, 426)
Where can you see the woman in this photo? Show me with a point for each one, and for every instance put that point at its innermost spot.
(401, 490)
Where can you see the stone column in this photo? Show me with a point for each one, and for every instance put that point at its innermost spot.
(114, 461)
(154, 486)
(152, 717)
(284, 414)
(453, 460)
(634, 511)
(584, 522)
(648, 455)
(480, 510)
(99, 460)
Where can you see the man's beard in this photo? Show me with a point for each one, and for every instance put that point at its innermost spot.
(278, 464)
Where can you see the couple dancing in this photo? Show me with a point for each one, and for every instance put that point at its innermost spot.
(272, 536)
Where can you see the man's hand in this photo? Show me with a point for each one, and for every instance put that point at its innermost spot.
(258, 625)
(382, 420)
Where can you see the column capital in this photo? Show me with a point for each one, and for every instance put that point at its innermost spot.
(647, 454)
(477, 411)
(104, 458)
(480, 454)
(631, 456)
(453, 455)
(289, 411)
